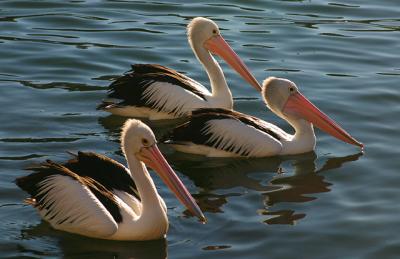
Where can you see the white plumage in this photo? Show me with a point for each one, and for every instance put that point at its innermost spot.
(169, 97)
(225, 134)
(75, 208)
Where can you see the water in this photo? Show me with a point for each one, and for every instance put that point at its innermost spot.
(57, 57)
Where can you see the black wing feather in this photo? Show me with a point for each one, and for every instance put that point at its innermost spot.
(111, 174)
(130, 87)
(246, 119)
(32, 184)
(192, 130)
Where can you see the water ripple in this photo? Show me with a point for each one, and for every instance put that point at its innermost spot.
(22, 158)
(38, 140)
(62, 85)
(83, 45)
(101, 30)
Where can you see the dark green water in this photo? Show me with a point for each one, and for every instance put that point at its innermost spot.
(57, 57)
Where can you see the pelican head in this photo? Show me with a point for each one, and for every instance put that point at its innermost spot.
(283, 97)
(136, 135)
(204, 34)
(201, 29)
(276, 92)
(140, 140)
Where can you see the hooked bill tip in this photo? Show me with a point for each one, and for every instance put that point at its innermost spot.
(357, 143)
(203, 219)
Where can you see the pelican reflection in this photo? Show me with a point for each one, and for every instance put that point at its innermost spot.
(286, 179)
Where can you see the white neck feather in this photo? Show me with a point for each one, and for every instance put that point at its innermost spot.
(153, 220)
(303, 140)
(221, 96)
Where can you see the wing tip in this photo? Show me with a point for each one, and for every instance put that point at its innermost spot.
(105, 105)
(30, 201)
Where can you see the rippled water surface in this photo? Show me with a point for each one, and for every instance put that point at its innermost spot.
(57, 58)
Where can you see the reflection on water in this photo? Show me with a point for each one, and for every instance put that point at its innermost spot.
(264, 175)
(295, 188)
(75, 246)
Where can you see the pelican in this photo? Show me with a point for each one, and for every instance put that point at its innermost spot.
(95, 196)
(225, 133)
(157, 92)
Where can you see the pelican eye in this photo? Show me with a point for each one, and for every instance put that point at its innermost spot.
(291, 89)
(214, 31)
(145, 142)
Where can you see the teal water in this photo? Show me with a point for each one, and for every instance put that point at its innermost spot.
(57, 58)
